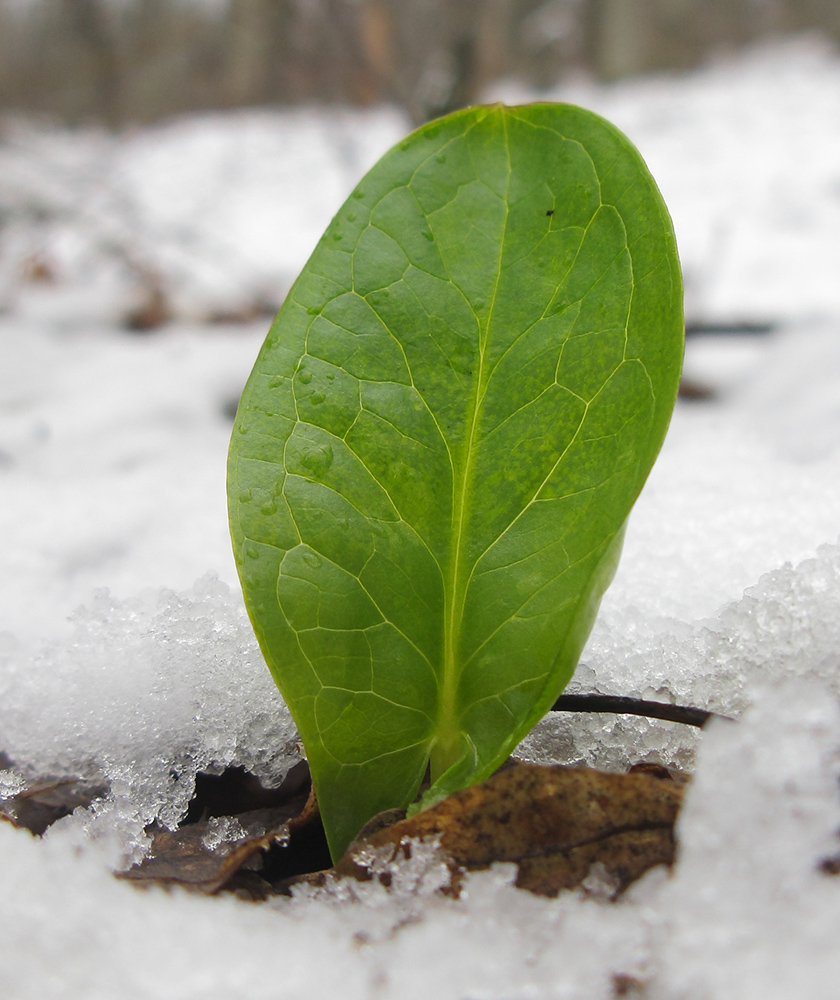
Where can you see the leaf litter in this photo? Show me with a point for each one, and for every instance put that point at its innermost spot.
(563, 827)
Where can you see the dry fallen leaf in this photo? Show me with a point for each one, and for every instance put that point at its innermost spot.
(554, 822)
(206, 855)
(235, 848)
(40, 804)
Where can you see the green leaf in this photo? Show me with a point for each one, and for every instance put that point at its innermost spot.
(441, 440)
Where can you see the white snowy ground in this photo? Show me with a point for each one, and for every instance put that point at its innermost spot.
(112, 451)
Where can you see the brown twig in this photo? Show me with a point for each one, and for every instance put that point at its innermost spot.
(619, 705)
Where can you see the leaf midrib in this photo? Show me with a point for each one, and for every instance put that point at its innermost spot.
(446, 750)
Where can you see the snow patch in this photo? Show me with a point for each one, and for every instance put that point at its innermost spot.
(143, 695)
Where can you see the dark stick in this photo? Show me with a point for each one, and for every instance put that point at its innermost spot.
(619, 705)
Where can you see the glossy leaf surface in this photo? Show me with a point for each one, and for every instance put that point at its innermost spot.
(442, 438)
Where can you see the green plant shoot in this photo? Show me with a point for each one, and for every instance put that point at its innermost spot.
(441, 440)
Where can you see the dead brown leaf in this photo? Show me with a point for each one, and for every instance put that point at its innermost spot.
(554, 822)
(270, 844)
(41, 804)
(192, 857)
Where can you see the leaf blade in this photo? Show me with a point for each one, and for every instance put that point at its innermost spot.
(452, 416)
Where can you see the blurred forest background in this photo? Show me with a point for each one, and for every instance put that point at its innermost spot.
(126, 61)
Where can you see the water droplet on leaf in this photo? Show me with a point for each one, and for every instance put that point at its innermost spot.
(312, 560)
(317, 460)
(305, 377)
(251, 551)
(316, 398)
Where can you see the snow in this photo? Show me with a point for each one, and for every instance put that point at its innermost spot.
(220, 209)
(746, 914)
(145, 693)
(115, 663)
(118, 443)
